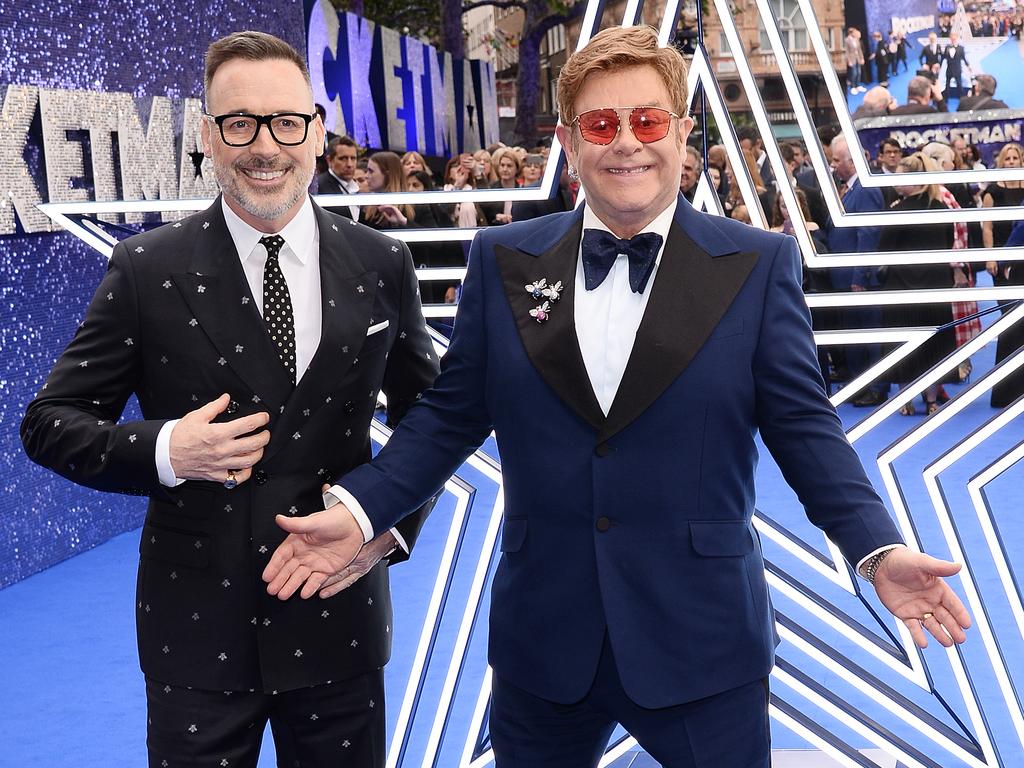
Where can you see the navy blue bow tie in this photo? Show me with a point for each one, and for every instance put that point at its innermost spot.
(601, 248)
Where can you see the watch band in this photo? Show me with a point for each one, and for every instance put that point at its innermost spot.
(872, 565)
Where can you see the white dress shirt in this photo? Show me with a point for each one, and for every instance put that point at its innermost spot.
(607, 318)
(300, 264)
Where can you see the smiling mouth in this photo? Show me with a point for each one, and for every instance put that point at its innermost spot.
(629, 171)
(259, 175)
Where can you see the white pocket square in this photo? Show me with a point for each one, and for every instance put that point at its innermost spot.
(378, 327)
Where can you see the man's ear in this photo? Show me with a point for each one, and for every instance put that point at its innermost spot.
(319, 134)
(564, 136)
(685, 127)
(204, 135)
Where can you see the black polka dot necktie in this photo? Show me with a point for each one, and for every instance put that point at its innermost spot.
(277, 305)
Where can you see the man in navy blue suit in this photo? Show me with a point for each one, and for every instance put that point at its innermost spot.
(860, 239)
(956, 59)
(626, 354)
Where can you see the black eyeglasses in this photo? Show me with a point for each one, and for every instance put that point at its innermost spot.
(239, 129)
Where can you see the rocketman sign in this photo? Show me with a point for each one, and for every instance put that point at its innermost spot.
(389, 90)
(384, 89)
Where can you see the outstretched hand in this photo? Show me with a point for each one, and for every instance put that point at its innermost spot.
(317, 547)
(912, 586)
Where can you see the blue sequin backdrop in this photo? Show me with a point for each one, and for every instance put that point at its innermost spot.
(46, 280)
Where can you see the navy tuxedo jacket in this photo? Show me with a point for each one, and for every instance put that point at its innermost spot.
(636, 524)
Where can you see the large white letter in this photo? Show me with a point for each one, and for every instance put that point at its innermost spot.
(18, 191)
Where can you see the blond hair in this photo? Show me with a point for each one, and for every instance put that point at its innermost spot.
(1009, 146)
(921, 163)
(614, 49)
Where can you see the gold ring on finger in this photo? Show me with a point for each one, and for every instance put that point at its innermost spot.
(926, 617)
(232, 481)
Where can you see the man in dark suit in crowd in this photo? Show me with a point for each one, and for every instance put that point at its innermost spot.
(956, 59)
(815, 200)
(923, 97)
(931, 55)
(256, 335)
(858, 239)
(625, 354)
(339, 178)
(983, 96)
(693, 167)
(321, 160)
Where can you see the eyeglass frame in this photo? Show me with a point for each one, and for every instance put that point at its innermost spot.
(575, 122)
(263, 120)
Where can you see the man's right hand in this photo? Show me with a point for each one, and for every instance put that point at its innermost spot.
(201, 450)
(317, 547)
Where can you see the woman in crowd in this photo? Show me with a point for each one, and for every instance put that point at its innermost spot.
(735, 196)
(781, 221)
(483, 169)
(533, 170)
(413, 161)
(384, 174)
(507, 164)
(965, 235)
(459, 177)
(999, 195)
(922, 237)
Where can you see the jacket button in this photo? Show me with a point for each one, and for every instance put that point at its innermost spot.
(602, 450)
(603, 524)
(233, 407)
(260, 477)
(350, 407)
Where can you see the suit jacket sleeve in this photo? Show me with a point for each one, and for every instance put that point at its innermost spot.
(71, 425)
(443, 428)
(800, 427)
(411, 369)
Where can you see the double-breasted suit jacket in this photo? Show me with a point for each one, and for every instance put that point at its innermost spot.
(636, 523)
(174, 322)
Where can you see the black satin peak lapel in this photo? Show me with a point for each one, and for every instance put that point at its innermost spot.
(552, 345)
(691, 292)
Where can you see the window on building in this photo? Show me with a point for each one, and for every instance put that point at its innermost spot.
(555, 39)
(791, 27)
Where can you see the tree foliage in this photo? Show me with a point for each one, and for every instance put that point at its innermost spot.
(419, 18)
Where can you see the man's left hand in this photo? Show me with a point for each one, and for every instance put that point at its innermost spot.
(910, 584)
(371, 554)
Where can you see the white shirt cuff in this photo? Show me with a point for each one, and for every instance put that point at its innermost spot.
(338, 495)
(860, 565)
(164, 470)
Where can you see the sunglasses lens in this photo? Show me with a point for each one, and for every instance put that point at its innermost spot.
(599, 126)
(650, 124)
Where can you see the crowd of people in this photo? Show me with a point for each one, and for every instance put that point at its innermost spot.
(889, 157)
(350, 170)
(884, 55)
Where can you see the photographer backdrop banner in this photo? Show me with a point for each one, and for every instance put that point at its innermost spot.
(987, 129)
(392, 91)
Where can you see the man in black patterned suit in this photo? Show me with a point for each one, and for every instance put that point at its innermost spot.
(256, 335)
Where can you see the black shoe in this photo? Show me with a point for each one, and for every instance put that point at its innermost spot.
(870, 400)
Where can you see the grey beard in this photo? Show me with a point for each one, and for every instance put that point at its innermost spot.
(257, 206)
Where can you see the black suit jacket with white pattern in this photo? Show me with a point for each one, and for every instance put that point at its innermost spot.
(174, 322)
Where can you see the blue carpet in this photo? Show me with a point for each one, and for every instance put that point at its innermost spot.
(1004, 64)
(74, 692)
